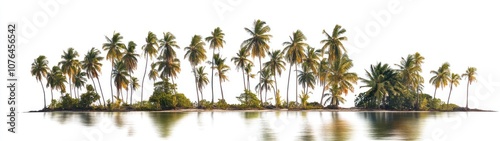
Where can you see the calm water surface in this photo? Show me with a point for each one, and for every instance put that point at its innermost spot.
(274, 125)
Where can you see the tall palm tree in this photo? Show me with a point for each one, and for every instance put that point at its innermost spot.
(382, 81)
(257, 44)
(276, 65)
(69, 65)
(216, 41)
(333, 43)
(130, 60)
(419, 60)
(266, 83)
(91, 64)
(196, 53)
(134, 86)
(441, 77)
(241, 60)
(340, 78)
(150, 50)
(294, 53)
(80, 81)
(470, 74)
(222, 69)
(120, 74)
(114, 46)
(454, 80)
(323, 72)
(202, 80)
(39, 69)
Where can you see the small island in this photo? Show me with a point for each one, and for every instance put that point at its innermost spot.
(388, 87)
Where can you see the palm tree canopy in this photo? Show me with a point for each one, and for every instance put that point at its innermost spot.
(114, 46)
(382, 81)
(311, 60)
(69, 64)
(455, 79)
(56, 79)
(276, 63)
(80, 79)
(257, 44)
(120, 75)
(130, 57)
(470, 74)
(39, 67)
(266, 82)
(241, 59)
(221, 67)
(216, 40)
(169, 68)
(441, 76)
(168, 44)
(294, 49)
(153, 73)
(91, 63)
(202, 77)
(195, 52)
(307, 78)
(135, 83)
(333, 43)
(340, 77)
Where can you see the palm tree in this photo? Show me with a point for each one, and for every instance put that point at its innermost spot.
(202, 79)
(149, 52)
(80, 81)
(51, 78)
(311, 60)
(441, 77)
(382, 81)
(130, 60)
(169, 69)
(419, 60)
(258, 43)
(222, 69)
(58, 79)
(276, 65)
(306, 79)
(241, 61)
(333, 43)
(216, 41)
(294, 53)
(91, 64)
(120, 74)
(470, 74)
(40, 69)
(335, 96)
(266, 83)
(153, 73)
(69, 65)
(340, 79)
(196, 54)
(114, 46)
(248, 69)
(323, 70)
(409, 72)
(454, 80)
(167, 45)
(134, 86)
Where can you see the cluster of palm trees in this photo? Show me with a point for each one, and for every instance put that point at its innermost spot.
(328, 66)
(443, 77)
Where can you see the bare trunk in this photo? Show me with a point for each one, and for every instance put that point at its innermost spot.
(143, 77)
(288, 85)
(467, 101)
(435, 93)
(111, 81)
(196, 85)
(103, 100)
(95, 89)
(322, 95)
(220, 84)
(212, 79)
(44, 100)
(276, 90)
(243, 74)
(296, 85)
(260, 76)
(451, 88)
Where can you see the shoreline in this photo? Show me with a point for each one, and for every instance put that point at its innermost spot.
(265, 110)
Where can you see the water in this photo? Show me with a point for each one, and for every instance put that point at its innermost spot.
(271, 125)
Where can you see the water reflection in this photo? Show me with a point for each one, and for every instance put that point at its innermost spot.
(165, 121)
(87, 119)
(395, 125)
(338, 129)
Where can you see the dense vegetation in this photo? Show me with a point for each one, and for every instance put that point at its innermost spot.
(328, 67)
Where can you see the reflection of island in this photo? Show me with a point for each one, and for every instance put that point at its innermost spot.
(87, 119)
(164, 121)
(385, 125)
(61, 117)
(339, 128)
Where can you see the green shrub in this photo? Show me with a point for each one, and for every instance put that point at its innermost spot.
(249, 100)
(221, 104)
(68, 103)
(86, 99)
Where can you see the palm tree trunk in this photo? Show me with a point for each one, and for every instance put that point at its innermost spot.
(248, 81)
(296, 85)
(197, 97)
(131, 83)
(91, 78)
(44, 101)
(435, 93)
(451, 88)
(260, 95)
(70, 93)
(196, 85)
(275, 90)
(265, 96)
(126, 98)
(243, 74)
(144, 76)
(51, 95)
(212, 79)
(288, 84)
(111, 80)
(103, 100)
(260, 76)
(418, 101)
(220, 84)
(322, 95)
(467, 101)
